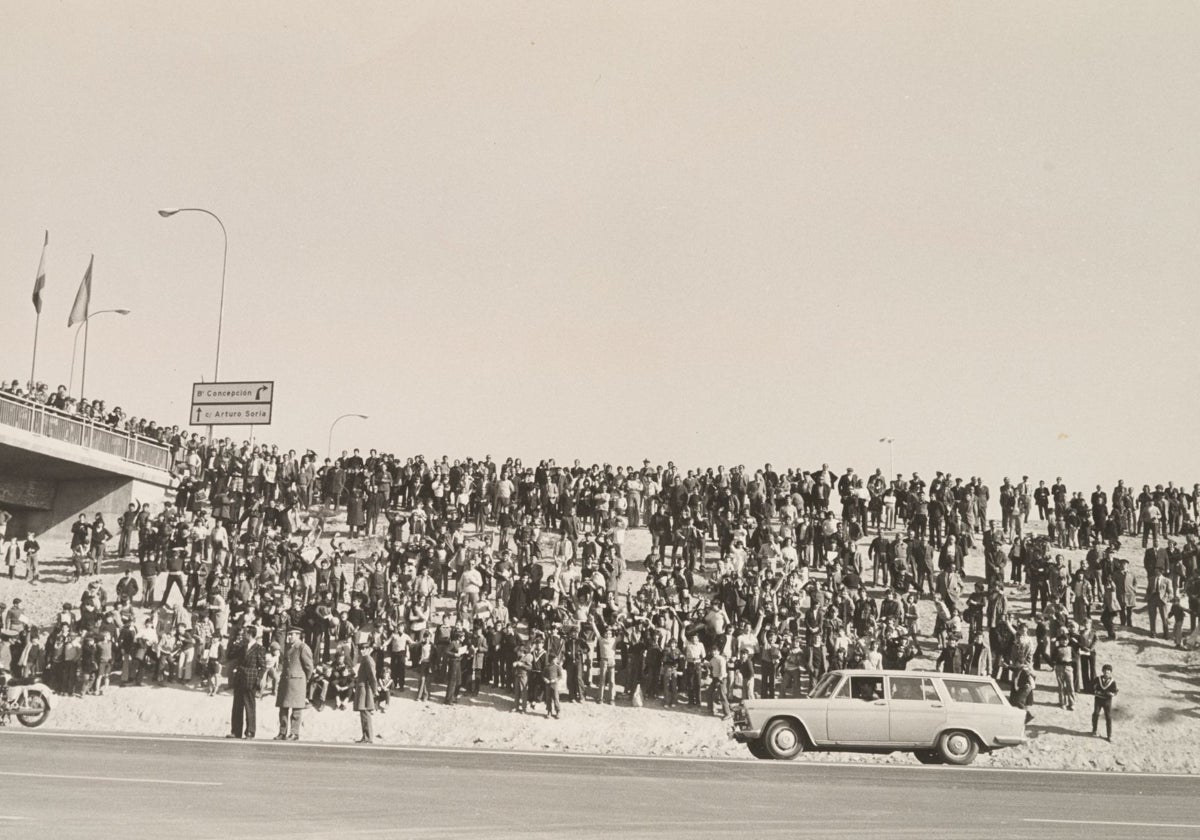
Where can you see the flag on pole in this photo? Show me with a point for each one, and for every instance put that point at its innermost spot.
(40, 282)
(79, 312)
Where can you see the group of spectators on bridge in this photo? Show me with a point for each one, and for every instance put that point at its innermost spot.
(96, 411)
(460, 576)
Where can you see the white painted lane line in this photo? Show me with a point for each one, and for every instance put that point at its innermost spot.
(771, 766)
(109, 779)
(1121, 824)
(3, 817)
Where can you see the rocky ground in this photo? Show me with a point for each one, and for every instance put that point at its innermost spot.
(1157, 715)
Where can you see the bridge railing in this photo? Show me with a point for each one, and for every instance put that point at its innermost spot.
(82, 431)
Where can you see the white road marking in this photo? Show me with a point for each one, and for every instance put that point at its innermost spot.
(109, 779)
(1123, 824)
(2, 817)
(778, 766)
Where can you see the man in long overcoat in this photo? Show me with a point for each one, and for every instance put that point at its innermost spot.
(296, 667)
(366, 686)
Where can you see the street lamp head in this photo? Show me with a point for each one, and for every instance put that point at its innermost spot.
(122, 311)
(167, 212)
(362, 417)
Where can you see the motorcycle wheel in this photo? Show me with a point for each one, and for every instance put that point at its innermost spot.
(34, 710)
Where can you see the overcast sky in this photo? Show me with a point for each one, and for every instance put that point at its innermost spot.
(710, 232)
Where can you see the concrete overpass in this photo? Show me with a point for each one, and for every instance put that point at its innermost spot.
(54, 467)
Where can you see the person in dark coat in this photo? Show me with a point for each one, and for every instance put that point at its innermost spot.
(296, 666)
(249, 660)
(356, 516)
(366, 686)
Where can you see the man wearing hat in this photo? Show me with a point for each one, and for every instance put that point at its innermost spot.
(292, 696)
(366, 687)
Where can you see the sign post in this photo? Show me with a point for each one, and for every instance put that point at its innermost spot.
(232, 403)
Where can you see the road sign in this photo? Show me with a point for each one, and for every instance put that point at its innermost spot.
(222, 393)
(232, 403)
(231, 414)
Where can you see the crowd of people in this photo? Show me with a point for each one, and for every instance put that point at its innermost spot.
(462, 577)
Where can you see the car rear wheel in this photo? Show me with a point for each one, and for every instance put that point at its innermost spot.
(928, 756)
(957, 747)
(783, 739)
(758, 749)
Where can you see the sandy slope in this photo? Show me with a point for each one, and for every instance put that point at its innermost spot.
(1157, 713)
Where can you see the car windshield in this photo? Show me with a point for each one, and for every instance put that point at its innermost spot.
(824, 686)
(964, 691)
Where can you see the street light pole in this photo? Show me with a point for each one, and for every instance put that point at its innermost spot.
(891, 457)
(329, 446)
(166, 213)
(75, 348)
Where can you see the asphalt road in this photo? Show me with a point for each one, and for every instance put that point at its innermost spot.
(56, 785)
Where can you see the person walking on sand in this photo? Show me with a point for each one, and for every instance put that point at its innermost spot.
(366, 686)
(1104, 689)
(292, 696)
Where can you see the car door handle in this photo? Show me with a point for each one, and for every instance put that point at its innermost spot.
(879, 703)
(935, 705)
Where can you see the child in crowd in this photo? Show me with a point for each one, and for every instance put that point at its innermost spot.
(270, 677)
(211, 666)
(384, 696)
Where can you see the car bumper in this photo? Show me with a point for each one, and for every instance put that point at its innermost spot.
(743, 736)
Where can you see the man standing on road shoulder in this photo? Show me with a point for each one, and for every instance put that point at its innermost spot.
(248, 660)
(296, 668)
(366, 687)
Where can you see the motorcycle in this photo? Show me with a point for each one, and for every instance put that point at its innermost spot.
(29, 703)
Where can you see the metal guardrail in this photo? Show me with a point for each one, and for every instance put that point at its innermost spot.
(52, 423)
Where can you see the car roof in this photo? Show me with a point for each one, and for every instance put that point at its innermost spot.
(889, 673)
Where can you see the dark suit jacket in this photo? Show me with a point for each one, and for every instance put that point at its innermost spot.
(250, 663)
(366, 686)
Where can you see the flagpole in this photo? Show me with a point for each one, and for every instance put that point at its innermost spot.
(38, 283)
(83, 374)
(33, 367)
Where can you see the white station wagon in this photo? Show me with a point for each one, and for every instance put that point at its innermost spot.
(938, 717)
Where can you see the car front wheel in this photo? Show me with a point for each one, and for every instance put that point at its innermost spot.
(957, 747)
(783, 739)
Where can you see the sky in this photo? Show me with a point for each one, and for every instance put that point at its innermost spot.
(704, 232)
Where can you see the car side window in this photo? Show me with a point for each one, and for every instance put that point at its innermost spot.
(913, 688)
(843, 692)
(962, 691)
(905, 688)
(867, 689)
